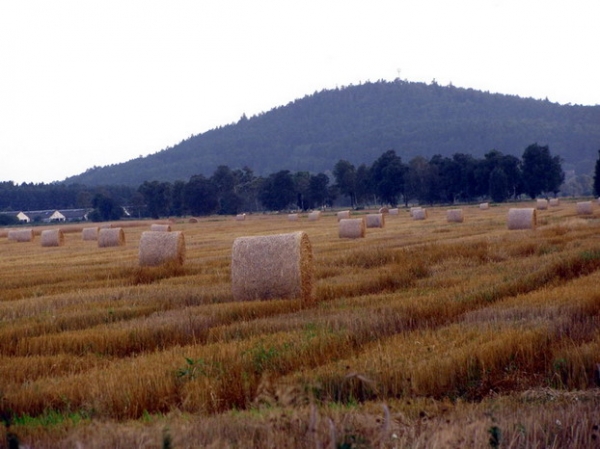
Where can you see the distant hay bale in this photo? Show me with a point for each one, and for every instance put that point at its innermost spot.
(272, 266)
(314, 215)
(554, 202)
(90, 233)
(240, 217)
(413, 209)
(375, 220)
(293, 217)
(52, 237)
(542, 204)
(343, 214)
(522, 218)
(159, 247)
(584, 208)
(108, 237)
(384, 210)
(20, 235)
(419, 214)
(352, 228)
(193, 220)
(394, 211)
(455, 216)
(160, 227)
(484, 206)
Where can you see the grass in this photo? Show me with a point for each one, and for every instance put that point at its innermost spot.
(424, 334)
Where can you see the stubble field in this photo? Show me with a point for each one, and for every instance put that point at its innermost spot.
(422, 334)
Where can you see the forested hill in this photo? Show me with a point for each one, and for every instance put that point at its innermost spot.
(358, 123)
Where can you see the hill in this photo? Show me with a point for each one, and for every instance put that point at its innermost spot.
(358, 123)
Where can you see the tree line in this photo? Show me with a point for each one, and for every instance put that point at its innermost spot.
(387, 181)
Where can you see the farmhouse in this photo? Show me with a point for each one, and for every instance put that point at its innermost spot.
(50, 216)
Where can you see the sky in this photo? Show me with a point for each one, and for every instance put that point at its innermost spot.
(92, 83)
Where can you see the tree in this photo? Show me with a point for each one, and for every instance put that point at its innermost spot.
(318, 191)
(157, 196)
(498, 185)
(105, 209)
(277, 191)
(597, 176)
(542, 173)
(200, 196)
(387, 177)
(345, 179)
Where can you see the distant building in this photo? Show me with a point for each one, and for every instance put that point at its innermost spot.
(50, 216)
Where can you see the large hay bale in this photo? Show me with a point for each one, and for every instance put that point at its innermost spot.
(484, 206)
(343, 214)
(522, 218)
(52, 237)
(158, 248)
(108, 237)
(293, 217)
(554, 202)
(542, 204)
(272, 266)
(375, 221)
(314, 215)
(352, 228)
(419, 214)
(157, 227)
(90, 233)
(394, 211)
(584, 208)
(20, 235)
(455, 216)
(240, 217)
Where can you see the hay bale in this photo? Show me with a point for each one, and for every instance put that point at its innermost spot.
(584, 208)
(455, 216)
(394, 211)
(419, 214)
(193, 220)
(159, 247)
(157, 227)
(542, 204)
(484, 206)
(352, 228)
(343, 214)
(414, 209)
(108, 237)
(375, 220)
(554, 202)
(240, 217)
(20, 235)
(293, 217)
(522, 218)
(90, 233)
(272, 266)
(52, 237)
(384, 210)
(314, 215)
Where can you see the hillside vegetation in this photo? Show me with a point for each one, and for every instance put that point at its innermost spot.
(422, 334)
(358, 123)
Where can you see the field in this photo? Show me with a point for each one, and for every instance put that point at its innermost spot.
(423, 334)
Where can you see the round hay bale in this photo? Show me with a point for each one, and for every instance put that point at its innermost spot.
(272, 266)
(20, 235)
(384, 210)
(554, 202)
(90, 233)
(108, 237)
(419, 214)
(375, 220)
(314, 215)
(352, 228)
(240, 217)
(52, 237)
(158, 248)
(484, 206)
(414, 209)
(343, 214)
(522, 218)
(455, 216)
(293, 217)
(542, 204)
(394, 211)
(193, 220)
(584, 208)
(157, 227)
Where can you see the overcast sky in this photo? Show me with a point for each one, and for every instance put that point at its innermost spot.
(92, 83)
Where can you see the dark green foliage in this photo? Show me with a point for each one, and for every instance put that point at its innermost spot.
(542, 173)
(278, 191)
(105, 209)
(359, 123)
(597, 176)
(200, 196)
